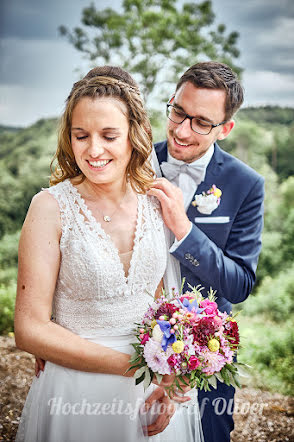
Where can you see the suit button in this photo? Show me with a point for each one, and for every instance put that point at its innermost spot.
(195, 263)
(188, 256)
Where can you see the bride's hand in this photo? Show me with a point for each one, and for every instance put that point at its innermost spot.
(177, 394)
(39, 365)
(165, 411)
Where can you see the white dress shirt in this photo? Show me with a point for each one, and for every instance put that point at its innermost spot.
(187, 185)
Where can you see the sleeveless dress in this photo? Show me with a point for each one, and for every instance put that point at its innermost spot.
(97, 301)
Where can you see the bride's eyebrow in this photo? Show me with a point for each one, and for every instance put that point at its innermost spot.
(113, 129)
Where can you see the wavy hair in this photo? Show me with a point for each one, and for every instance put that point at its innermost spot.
(114, 82)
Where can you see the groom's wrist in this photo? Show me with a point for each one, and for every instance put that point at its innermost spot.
(183, 230)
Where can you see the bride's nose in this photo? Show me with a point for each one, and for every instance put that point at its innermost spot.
(95, 147)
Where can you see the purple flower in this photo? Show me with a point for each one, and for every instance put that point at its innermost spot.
(168, 337)
(191, 306)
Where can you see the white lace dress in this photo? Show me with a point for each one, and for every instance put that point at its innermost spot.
(96, 300)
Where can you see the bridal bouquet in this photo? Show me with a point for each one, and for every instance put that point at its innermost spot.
(188, 336)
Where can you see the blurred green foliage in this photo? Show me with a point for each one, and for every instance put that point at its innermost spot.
(7, 300)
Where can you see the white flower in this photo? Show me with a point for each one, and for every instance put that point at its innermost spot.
(206, 204)
(157, 334)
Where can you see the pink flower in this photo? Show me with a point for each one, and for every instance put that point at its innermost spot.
(186, 296)
(172, 360)
(213, 362)
(209, 306)
(156, 358)
(145, 339)
(193, 363)
(218, 321)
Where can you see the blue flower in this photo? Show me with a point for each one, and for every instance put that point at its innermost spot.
(191, 306)
(168, 337)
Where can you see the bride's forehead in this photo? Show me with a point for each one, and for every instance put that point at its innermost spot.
(100, 108)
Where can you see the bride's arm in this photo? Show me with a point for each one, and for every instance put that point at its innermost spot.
(39, 261)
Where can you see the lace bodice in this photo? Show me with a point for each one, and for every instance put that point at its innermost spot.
(93, 295)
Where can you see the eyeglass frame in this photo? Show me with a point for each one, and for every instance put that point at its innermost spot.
(168, 105)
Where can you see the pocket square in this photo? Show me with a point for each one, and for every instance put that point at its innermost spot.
(212, 219)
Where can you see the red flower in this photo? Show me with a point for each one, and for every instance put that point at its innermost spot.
(193, 363)
(232, 330)
(203, 330)
(166, 309)
(172, 360)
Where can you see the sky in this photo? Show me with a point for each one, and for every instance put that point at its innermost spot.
(38, 66)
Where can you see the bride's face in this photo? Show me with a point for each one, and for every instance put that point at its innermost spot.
(100, 139)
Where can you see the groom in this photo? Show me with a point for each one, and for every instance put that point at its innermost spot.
(216, 244)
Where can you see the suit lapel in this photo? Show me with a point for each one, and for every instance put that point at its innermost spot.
(213, 170)
(161, 151)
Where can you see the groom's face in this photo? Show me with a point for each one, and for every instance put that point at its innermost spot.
(206, 104)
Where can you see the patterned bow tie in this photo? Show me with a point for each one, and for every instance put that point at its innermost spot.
(171, 171)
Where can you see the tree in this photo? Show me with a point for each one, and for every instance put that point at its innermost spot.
(153, 39)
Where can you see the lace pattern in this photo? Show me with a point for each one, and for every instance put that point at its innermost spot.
(93, 295)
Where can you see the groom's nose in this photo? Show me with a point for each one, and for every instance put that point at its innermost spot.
(183, 130)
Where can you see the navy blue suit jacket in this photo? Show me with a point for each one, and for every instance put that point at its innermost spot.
(224, 255)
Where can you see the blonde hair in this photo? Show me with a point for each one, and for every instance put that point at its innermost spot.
(114, 82)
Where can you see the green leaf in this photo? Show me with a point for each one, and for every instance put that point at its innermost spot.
(139, 372)
(219, 377)
(243, 369)
(182, 379)
(212, 381)
(158, 377)
(147, 380)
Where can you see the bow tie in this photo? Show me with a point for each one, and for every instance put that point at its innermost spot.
(171, 171)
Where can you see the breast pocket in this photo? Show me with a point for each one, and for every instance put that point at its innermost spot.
(216, 228)
(212, 219)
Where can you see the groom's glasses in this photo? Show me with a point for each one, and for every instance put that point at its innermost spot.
(202, 127)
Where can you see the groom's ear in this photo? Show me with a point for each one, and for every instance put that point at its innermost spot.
(227, 127)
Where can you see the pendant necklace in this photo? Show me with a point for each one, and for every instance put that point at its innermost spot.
(108, 218)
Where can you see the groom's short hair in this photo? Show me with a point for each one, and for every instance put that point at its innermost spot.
(214, 75)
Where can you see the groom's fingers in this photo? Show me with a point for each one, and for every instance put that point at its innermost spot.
(169, 189)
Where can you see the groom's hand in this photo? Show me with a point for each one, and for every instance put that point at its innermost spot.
(166, 410)
(172, 205)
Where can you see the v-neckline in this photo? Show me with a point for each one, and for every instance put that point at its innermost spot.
(88, 215)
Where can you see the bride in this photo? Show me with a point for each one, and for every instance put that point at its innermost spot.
(92, 251)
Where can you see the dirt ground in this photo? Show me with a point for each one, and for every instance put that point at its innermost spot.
(259, 415)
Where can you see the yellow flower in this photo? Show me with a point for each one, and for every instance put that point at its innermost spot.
(178, 346)
(213, 344)
(11, 334)
(217, 192)
(153, 323)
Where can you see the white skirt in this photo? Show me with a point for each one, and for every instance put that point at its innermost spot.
(69, 405)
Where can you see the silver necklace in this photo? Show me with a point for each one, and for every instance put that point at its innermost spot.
(108, 218)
